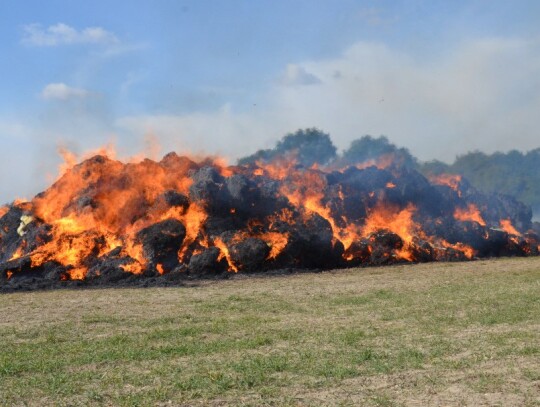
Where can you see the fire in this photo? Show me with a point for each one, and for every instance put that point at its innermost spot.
(348, 234)
(118, 192)
(469, 214)
(222, 166)
(70, 159)
(395, 220)
(398, 221)
(160, 269)
(308, 195)
(18, 253)
(135, 251)
(193, 220)
(450, 180)
(224, 253)
(468, 251)
(382, 162)
(285, 216)
(148, 217)
(276, 241)
(506, 225)
(278, 169)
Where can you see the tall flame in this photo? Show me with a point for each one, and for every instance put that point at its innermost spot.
(506, 225)
(469, 214)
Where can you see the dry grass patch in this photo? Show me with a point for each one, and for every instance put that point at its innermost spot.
(432, 334)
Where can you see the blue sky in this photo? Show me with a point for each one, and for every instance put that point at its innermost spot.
(229, 77)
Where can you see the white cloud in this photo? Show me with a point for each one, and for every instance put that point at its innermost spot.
(63, 34)
(297, 75)
(61, 91)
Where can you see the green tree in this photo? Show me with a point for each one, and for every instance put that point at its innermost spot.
(308, 146)
(434, 167)
(370, 148)
(512, 173)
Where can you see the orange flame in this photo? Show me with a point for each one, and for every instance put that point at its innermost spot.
(468, 251)
(102, 204)
(18, 253)
(159, 268)
(278, 169)
(450, 180)
(224, 253)
(506, 225)
(382, 162)
(397, 221)
(276, 241)
(469, 214)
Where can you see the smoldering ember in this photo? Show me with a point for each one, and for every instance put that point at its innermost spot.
(160, 222)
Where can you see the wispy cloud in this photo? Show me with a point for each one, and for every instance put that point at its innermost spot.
(297, 75)
(376, 17)
(61, 91)
(63, 34)
(121, 48)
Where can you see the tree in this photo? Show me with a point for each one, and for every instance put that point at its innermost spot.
(434, 167)
(512, 173)
(307, 146)
(369, 148)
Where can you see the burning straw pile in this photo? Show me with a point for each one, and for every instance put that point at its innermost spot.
(108, 222)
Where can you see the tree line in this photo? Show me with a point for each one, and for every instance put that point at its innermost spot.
(513, 173)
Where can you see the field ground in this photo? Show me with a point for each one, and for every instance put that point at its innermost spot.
(424, 335)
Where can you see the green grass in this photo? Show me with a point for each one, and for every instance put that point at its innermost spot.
(435, 334)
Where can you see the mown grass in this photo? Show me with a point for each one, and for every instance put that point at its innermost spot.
(435, 334)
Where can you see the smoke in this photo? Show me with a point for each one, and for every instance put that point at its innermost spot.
(482, 94)
(17, 169)
(62, 91)
(478, 95)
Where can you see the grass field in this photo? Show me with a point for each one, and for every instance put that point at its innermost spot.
(432, 334)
